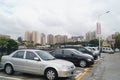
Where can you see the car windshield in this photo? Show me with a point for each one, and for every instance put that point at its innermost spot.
(45, 55)
(89, 49)
(76, 51)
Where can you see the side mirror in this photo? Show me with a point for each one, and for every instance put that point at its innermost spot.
(36, 59)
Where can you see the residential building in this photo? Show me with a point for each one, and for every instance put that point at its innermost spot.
(70, 40)
(43, 39)
(64, 39)
(58, 39)
(91, 36)
(78, 38)
(34, 37)
(110, 40)
(61, 38)
(50, 39)
(31, 36)
(28, 36)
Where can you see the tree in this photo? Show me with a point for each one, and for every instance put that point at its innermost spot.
(8, 43)
(116, 36)
(94, 42)
(12, 44)
(20, 40)
(3, 42)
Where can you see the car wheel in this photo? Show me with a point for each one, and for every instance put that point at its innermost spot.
(51, 74)
(9, 69)
(83, 63)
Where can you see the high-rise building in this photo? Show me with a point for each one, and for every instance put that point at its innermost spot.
(34, 37)
(43, 39)
(28, 36)
(91, 36)
(78, 38)
(58, 39)
(63, 39)
(50, 39)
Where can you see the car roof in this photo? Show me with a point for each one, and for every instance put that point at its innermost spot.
(68, 49)
(29, 50)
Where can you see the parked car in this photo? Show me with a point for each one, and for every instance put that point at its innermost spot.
(73, 55)
(117, 50)
(83, 50)
(37, 62)
(107, 50)
(94, 50)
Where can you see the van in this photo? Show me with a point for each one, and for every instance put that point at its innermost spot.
(107, 50)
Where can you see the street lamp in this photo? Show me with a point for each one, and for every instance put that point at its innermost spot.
(99, 27)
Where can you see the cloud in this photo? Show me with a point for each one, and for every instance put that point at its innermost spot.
(72, 17)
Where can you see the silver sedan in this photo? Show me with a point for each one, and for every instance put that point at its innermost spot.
(37, 62)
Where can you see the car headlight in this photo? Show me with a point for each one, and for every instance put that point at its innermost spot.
(68, 67)
(89, 59)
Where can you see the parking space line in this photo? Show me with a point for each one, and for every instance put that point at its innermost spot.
(82, 74)
(11, 78)
(79, 76)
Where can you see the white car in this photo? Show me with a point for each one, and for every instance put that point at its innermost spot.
(37, 62)
(107, 50)
(94, 50)
(117, 50)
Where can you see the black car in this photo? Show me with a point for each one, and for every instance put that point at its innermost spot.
(74, 56)
(83, 50)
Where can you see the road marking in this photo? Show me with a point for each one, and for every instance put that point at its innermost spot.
(10, 78)
(79, 76)
(82, 74)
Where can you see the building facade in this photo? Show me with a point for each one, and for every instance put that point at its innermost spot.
(34, 37)
(28, 36)
(91, 36)
(31, 36)
(50, 39)
(43, 39)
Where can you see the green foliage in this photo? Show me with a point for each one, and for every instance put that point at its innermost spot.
(94, 42)
(73, 43)
(37, 44)
(28, 44)
(3, 41)
(20, 40)
(116, 36)
(8, 43)
(12, 44)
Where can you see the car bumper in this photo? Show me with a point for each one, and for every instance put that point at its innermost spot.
(90, 62)
(95, 57)
(66, 73)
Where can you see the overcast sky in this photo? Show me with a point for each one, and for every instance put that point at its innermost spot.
(69, 17)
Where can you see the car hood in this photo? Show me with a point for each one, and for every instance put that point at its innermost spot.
(97, 52)
(88, 56)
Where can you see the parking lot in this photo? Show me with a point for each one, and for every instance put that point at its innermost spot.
(79, 73)
(24, 76)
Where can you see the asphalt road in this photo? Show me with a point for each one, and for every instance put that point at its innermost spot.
(108, 68)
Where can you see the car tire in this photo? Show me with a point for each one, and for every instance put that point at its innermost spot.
(51, 74)
(83, 63)
(9, 69)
